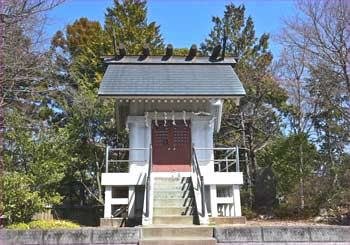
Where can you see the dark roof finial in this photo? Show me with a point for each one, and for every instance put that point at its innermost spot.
(145, 51)
(215, 53)
(122, 50)
(192, 52)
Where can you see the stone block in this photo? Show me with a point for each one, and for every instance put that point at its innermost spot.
(286, 234)
(18, 237)
(116, 236)
(238, 234)
(113, 222)
(227, 220)
(67, 236)
(330, 233)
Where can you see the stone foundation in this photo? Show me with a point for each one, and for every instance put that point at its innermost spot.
(241, 220)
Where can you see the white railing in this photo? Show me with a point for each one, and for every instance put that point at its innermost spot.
(119, 157)
(227, 161)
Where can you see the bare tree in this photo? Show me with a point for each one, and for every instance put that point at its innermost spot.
(290, 72)
(315, 71)
(321, 31)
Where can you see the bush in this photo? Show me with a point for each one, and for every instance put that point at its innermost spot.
(19, 202)
(285, 211)
(43, 224)
(18, 226)
(52, 224)
(248, 213)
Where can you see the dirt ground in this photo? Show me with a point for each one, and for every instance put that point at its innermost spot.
(283, 223)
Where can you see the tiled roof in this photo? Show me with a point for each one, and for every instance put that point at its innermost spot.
(135, 78)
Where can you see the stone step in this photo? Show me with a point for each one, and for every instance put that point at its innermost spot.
(181, 180)
(173, 186)
(173, 202)
(178, 241)
(173, 219)
(174, 211)
(172, 194)
(177, 231)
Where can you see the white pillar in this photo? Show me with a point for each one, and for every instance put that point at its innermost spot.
(236, 201)
(213, 203)
(227, 209)
(131, 204)
(108, 202)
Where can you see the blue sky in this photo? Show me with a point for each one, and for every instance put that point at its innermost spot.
(183, 22)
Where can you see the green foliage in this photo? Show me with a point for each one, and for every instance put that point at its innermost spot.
(40, 154)
(52, 224)
(128, 20)
(89, 120)
(43, 224)
(249, 213)
(90, 128)
(255, 122)
(19, 199)
(283, 157)
(18, 226)
(288, 211)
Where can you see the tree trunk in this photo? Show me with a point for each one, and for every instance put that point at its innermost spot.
(99, 186)
(249, 179)
(301, 179)
(1, 101)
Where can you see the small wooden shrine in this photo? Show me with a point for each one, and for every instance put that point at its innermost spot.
(171, 107)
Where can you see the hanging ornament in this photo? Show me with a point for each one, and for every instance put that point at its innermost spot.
(184, 117)
(165, 118)
(211, 122)
(146, 119)
(156, 118)
(173, 117)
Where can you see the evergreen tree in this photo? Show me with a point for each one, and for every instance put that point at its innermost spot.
(256, 118)
(127, 20)
(89, 120)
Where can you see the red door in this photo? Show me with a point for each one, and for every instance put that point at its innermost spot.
(171, 146)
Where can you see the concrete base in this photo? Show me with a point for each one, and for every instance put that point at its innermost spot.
(113, 222)
(177, 235)
(259, 235)
(227, 220)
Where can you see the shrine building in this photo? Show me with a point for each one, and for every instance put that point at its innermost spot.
(171, 172)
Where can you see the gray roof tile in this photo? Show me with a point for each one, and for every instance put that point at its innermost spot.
(170, 80)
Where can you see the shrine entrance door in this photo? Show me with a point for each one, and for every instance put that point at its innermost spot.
(171, 146)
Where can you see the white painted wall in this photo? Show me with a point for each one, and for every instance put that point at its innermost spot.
(139, 137)
(202, 130)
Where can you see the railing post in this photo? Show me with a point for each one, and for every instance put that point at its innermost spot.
(237, 158)
(203, 195)
(107, 151)
(148, 182)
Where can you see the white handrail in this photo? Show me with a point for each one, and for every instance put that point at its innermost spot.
(229, 157)
(109, 152)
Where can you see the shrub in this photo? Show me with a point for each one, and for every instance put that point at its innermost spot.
(248, 213)
(52, 224)
(18, 226)
(19, 202)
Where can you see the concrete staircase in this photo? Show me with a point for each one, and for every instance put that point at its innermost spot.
(173, 201)
(174, 216)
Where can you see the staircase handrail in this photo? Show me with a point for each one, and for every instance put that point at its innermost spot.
(196, 169)
(148, 182)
